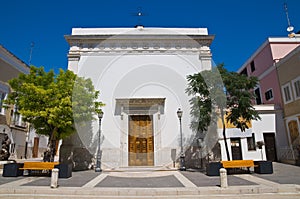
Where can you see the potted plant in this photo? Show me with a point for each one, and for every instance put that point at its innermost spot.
(260, 144)
(262, 167)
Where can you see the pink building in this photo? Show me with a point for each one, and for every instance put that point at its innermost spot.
(262, 65)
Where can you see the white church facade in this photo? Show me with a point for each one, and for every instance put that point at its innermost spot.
(141, 75)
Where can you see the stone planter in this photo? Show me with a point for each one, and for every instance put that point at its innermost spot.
(263, 167)
(65, 170)
(212, 168)
(12, 170)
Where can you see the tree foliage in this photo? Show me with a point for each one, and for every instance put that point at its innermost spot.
(51, 103)
(218, 92)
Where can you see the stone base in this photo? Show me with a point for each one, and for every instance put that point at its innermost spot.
(12, 170)
(65, 170)
(263, 167)
(213, 168)
(79, 157)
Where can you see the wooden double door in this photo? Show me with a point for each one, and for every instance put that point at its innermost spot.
(141, 141)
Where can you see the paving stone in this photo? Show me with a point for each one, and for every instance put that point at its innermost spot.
(164, 181)
(202, 180)
(285, 181)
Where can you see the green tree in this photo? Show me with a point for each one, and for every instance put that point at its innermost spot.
(51, 103)
(220, 93)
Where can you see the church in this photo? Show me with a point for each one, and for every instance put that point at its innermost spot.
(141, 75)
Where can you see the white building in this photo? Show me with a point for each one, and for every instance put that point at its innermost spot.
(243, 145)
(141, 75)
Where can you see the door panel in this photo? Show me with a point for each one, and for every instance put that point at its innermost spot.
(35, 149)
(269, 139)
(236, 150)
(140, 140)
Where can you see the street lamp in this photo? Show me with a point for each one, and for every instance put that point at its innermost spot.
(98, 163)
(182, 163)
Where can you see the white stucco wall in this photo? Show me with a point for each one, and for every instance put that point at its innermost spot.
(267, 124)
(142, 76)
(153, 63)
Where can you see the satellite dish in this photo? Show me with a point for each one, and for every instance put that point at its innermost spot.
(290, 29)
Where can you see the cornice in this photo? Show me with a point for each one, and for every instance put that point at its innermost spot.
(13, 61)
(79, 40)
(138, 46)
(140, 101)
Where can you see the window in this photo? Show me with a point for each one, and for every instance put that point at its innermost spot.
(269, 94)
(16, 116)
(244, 72)
(286, 90)
(252, 65)
(257, 96)
(2, 97)
(296, 87)
(251, 142)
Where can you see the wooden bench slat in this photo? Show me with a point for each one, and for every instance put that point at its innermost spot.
(35, 168)
(39, 165)
(238, 163)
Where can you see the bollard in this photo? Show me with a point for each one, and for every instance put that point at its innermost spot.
(223, 178)
(54, 178)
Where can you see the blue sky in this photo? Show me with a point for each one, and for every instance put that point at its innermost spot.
(240, 27)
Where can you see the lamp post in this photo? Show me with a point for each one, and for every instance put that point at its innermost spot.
(182, 163)
(98, 162)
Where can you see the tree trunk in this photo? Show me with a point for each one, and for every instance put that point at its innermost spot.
(224, 135)
(51, 151)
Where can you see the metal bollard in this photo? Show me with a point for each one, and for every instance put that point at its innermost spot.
(223, 178)
(54, 178)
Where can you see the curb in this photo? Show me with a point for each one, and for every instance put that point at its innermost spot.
(146, 192)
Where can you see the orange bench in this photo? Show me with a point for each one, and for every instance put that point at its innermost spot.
(238, 164)
(39, 165)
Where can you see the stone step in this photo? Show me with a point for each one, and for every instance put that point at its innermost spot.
(140, 169)
(197, 192)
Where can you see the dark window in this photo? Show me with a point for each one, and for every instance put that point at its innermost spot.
(2, 96)
(269, 94)
(251, 142)
(287, 93)
(297, 88)
(258, 98)
(252, 66)
(244, 72)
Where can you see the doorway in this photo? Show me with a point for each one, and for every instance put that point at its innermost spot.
(270, 146)
(141, 140)
(35, 149)
(236, 150)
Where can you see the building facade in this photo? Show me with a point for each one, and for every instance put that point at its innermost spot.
(288, 70)
(24, 142)
(257, 142)
(141, 75)
(262, 64)
(10, 121)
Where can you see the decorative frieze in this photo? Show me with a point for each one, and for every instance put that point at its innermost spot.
(139, 44)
